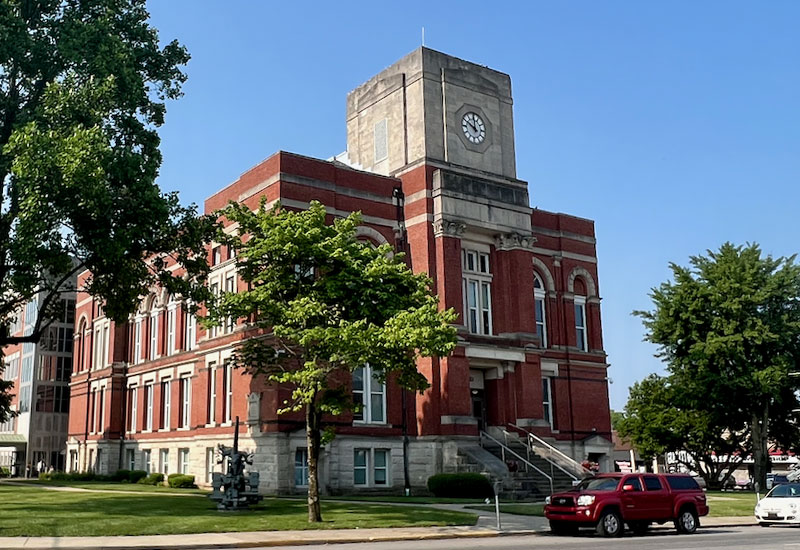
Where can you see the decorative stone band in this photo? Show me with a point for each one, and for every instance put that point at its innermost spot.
(454, 419)
(511, 241)
(448, 228)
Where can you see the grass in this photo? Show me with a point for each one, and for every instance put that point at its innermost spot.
(33, 511)
(730, 503)
(399, 499)
(518, 509)
(110, 486)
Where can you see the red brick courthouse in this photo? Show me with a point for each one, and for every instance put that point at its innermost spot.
(430, 163)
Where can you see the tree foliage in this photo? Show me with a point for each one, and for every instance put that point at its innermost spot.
(657, 421)
(83, 86)
(728, 328)
(330, 304)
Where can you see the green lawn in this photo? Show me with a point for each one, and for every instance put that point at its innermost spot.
(731, 503)
(32, 511)
(518, 509)
(409, 500)
(110, 486)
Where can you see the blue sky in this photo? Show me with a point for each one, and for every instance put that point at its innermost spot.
(674, 125)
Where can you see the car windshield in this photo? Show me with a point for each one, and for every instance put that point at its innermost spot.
(599, 484)
(789, 490)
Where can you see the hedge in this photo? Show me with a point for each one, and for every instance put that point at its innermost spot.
(152, 479)
(181, 481)
(460, 486)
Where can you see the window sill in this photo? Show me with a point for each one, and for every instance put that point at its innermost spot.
(184, 429)
(373, 423)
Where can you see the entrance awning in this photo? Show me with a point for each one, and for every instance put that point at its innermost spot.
(17, 441)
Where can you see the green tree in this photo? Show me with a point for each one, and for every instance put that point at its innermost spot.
(329, 304)
(728, 328)
(657, 421)
(83, 86)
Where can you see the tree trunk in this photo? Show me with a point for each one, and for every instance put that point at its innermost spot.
(313, 438)
(759, 433)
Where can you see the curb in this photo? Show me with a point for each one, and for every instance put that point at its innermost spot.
(23, 542)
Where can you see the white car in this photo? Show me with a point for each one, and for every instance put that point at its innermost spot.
(780, 505)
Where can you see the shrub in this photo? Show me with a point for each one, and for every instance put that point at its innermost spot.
(460, 486)
(152, 479)
(181, 481)
(73, 476)
(134, 476)
(121, 476)
(5, 472)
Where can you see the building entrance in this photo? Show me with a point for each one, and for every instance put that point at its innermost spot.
(479, 407)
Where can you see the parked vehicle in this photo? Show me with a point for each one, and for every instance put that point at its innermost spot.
(776, 479)
(607, 502)
(780, 505)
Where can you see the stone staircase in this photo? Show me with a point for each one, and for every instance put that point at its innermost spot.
(531, 465)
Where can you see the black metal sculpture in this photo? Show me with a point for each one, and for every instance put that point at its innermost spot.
(234, 490)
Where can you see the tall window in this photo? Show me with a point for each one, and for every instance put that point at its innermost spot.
(170, 330)
(163, 462)
(146, 460)
(213, 331)
(228, 381)
(154, 334)
(369, 396)
(100, 345)
(371, 467)
(230, 286)
(191, 329)
(212, 393)
(301, 468)
(185, 389)
(166, 404)
(92, 410)
(477, 291)
(183, 461)
(211, 461)
(100, 408)
(148, 407)
(134, 396)
(547, 399)
(137, 341)
(130, 459)
(539, 296)
(580, 323)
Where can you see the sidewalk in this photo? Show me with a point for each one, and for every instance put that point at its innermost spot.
(485, 527)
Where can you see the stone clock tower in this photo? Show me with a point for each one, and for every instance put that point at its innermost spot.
(454, 118)
(431, 106)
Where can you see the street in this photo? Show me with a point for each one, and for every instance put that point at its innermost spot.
(730, 538)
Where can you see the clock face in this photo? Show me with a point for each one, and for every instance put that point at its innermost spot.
(473, 127)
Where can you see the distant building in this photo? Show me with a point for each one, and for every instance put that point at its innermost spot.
(431, 164)
(41, 374)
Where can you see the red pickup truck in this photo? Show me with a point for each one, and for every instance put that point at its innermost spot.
(608, 501)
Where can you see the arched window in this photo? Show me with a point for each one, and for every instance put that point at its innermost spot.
(153, 332)
(581, 340)
(80, 347)
(539, 295)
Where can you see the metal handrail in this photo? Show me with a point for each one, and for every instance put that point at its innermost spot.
(560, 454)
(505, 448)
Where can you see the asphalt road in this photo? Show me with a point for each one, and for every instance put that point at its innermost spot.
(732, 538)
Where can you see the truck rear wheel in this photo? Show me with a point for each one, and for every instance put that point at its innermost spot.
(610, 524)
(687, 521)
